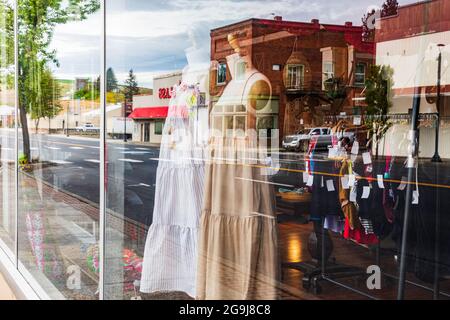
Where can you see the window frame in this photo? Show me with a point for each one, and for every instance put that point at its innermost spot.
(219, 65)
(357, 83)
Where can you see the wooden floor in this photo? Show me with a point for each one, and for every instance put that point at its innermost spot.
(294, 248)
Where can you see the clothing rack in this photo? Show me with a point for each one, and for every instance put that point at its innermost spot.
(330, 272)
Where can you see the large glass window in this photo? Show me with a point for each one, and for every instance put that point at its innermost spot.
(295, 78)
(360, 73)
(151, 150)
(58, 191)
(7, 127)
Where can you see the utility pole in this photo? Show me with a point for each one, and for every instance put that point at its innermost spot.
(436, 157)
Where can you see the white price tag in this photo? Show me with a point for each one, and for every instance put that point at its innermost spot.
(352, 197)
(366, 158)
(415, 195)
(355, 148)
(305, 176)
(366, 192)
(344, 181)
(351, 180)
(380, 181)
(330, 185)
(310, 181)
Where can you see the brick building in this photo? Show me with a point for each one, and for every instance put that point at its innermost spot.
(297, 58)
(409, 43)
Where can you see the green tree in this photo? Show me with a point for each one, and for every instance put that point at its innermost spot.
(7, 36)
(378, 98)
(37, 21)
(131, 86)
(389, 8)
(111, 81)
(46, 103)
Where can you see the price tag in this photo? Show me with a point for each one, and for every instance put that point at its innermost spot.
(352, 197)
(344, 181)
(366, 192)
(415, 195)
(310, 181)
(380, 181)
(366, 158)
(305, 176)
(330, 185)
(355, 147)
(351, 180)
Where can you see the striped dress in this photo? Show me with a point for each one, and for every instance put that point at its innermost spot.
(170, 256)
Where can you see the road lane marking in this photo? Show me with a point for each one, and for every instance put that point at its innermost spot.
(140, 185)
(131, 160)
(60, 162)
(53, 148)
(77, 148)
(92, 160)
(134, 152)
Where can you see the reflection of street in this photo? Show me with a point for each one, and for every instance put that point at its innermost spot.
(72, 164)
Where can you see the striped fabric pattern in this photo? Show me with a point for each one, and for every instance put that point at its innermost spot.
(170, 255)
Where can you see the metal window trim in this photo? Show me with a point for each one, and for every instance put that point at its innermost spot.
(16, 134)
(102, 213)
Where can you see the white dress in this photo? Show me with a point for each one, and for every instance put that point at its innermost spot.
(170, 255)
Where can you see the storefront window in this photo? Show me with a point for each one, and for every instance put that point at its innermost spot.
(153, 151)
(221, 73)
(360, 73)
(7, 128)
(58, 191)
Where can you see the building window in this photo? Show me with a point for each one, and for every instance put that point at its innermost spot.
(240, 70)
(221, 73)
(328, 70)
(159, 127)
(360, 73)
(295, 76)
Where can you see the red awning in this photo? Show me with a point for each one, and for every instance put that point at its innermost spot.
(149, 113)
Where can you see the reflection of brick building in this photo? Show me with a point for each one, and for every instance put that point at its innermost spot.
(297, 58)
(409, 43)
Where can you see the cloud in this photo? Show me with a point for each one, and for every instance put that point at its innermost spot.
(151, 36)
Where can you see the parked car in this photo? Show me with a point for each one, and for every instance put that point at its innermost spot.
(87, 127)
(301, 140)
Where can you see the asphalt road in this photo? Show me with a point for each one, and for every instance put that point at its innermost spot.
(72, 164)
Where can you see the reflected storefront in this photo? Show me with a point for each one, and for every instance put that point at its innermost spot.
(141, 151)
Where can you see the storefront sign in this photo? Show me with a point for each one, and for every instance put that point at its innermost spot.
(165, 93)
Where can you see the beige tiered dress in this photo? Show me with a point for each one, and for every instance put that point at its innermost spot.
(238, 256)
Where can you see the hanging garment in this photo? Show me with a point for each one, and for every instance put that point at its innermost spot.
(348, 207)
(238, 254)
(431, 182)
(170, 255)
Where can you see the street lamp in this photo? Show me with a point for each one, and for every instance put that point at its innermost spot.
(436, 157)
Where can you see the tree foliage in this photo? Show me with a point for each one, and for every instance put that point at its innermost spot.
(131, 86)
(7, 43)
(378, 94)
(37, 21)
(111, 81)
(45, 102)
(389, 8)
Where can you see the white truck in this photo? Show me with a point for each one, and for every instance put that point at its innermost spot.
(87, 127)
(119, 127)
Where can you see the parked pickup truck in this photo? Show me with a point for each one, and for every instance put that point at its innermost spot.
(87, 127)
(301, 140)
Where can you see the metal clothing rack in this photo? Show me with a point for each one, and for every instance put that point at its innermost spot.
(322, 270)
